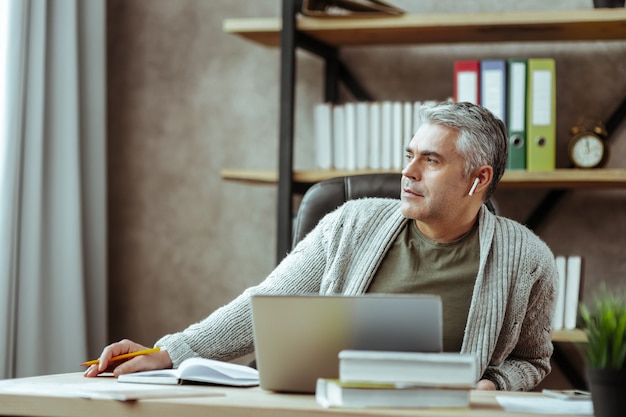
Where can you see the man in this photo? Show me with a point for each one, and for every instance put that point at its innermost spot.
(495, 277)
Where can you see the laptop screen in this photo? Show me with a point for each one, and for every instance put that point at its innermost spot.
(297, 338)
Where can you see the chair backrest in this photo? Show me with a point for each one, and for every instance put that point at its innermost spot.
(325, 196)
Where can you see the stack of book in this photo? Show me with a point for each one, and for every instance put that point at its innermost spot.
(365, 135)
(399, 380)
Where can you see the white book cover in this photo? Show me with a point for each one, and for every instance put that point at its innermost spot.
(362, 135)
(339, 137)
(350, 120)
(323, 135)
(408, 132)
(386, 127)
(397, 148)
(375, 136)
(334, 393)
(416, 116)
(559, 308)
(427, 369)
(572, 290)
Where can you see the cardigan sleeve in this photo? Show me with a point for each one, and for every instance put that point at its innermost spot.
(226, 333)
(323, 262)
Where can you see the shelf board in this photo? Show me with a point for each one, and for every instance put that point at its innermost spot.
(269, 176)
(565, 178)
(571, 336)
(519, 26)
(560, 178)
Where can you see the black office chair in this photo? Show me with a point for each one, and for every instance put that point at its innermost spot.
(325, 196)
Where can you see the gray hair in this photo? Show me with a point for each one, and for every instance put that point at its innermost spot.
(483, 138)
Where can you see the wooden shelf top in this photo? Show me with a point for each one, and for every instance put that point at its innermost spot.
(565, 178)
(560, 178)
(428, 28)
(572, 336)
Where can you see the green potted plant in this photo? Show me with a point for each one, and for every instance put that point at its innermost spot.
(604, 322)
(600, 4)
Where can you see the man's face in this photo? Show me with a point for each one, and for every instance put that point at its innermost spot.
(434, 187)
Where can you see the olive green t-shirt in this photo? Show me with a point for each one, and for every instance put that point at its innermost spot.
(416, 264)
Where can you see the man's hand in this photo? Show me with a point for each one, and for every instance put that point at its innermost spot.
(158, 360)
(486, 385)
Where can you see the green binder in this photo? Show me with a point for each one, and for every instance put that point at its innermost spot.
(516, 113)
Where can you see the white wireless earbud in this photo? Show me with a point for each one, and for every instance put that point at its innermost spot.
(476, 182)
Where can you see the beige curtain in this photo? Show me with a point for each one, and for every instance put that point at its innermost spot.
(52, 188)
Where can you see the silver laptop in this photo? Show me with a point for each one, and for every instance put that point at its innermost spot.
(297, 338)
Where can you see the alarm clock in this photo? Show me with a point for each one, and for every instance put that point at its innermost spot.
(587, 146)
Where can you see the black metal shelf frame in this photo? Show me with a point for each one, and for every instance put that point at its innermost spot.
(335, 72)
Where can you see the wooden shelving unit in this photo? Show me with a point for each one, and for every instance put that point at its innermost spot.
(325, 36)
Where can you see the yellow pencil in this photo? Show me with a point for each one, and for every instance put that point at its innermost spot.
(124, 356)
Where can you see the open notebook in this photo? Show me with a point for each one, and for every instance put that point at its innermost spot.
(198, 370)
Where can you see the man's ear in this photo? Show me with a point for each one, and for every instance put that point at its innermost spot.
(481, 179)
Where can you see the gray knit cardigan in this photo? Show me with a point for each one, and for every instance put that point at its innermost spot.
(508, 326)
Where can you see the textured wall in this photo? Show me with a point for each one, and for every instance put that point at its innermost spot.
(187, 100)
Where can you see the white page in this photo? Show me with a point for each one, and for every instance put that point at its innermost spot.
(544, 405)
(542, 98)
(467, 86)
(98, 388)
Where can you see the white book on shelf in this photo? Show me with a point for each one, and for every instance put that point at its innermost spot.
(350, 120)
(417, 105)
(362, 135)
(386, 135)
(415, 368)
(323, 135)
(374, 135)
(559, 305)
(339, 137)
(407, 133)
(572, 291)
(397, 150)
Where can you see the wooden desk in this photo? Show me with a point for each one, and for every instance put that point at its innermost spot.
(231, 402)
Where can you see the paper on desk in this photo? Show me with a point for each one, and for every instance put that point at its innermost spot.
(95, 389)
(544, 405)
(143, 394)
